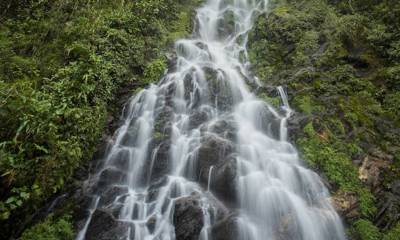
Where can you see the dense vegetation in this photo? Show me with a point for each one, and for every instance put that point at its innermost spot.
(62, 64)
(340, 62)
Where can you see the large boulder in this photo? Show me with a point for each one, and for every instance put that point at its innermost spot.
(223, 181)
(188, 218)
(214, 151)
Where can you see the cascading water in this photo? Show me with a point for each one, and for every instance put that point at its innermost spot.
(201, 137)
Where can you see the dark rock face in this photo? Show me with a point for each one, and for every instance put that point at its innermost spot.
(108, 196)
(226, 229)
(223, 181)
(188, 219)
(220, 93)
(295, 124)
(171, 61)
(224, 128)
(271, 127)
(104, 227)
(198, 118)
(226, 24)
(159, 164)
(214, 151)
(109, 177)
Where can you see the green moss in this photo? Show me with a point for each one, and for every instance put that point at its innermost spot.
(393, 234)
(183, 24)
(274, 101)
(154, 70)
(392, 105)
(304, 103)
(51, 229)
(367, 202)
(335, 164)
(365, 230)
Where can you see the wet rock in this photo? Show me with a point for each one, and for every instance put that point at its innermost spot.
(129, 137)
(110, 176)
(296, 124)
(224, 128)
(202, 45)
(159, 162)
(120, 159)
(163, 123)
(226, 24)
(198, 118)
(111, 194)
(188, 219)
(220, 92)
(267, 89)
(172, 59)
(223, 181)
(192, 94)
(151, 224)
(104, 227)
(169, 94)
(270, 124)
(155, 187)
(213, 151)
(225, 229)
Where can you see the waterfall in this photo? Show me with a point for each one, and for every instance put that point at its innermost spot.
(200, 140)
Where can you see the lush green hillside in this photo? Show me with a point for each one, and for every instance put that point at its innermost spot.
(340, 63)
(62, 65)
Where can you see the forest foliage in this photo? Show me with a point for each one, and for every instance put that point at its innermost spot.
(62, 63)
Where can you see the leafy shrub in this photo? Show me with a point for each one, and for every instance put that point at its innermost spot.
(367, 231)
(50, 229)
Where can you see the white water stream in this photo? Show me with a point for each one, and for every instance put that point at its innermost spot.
(155, 159)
